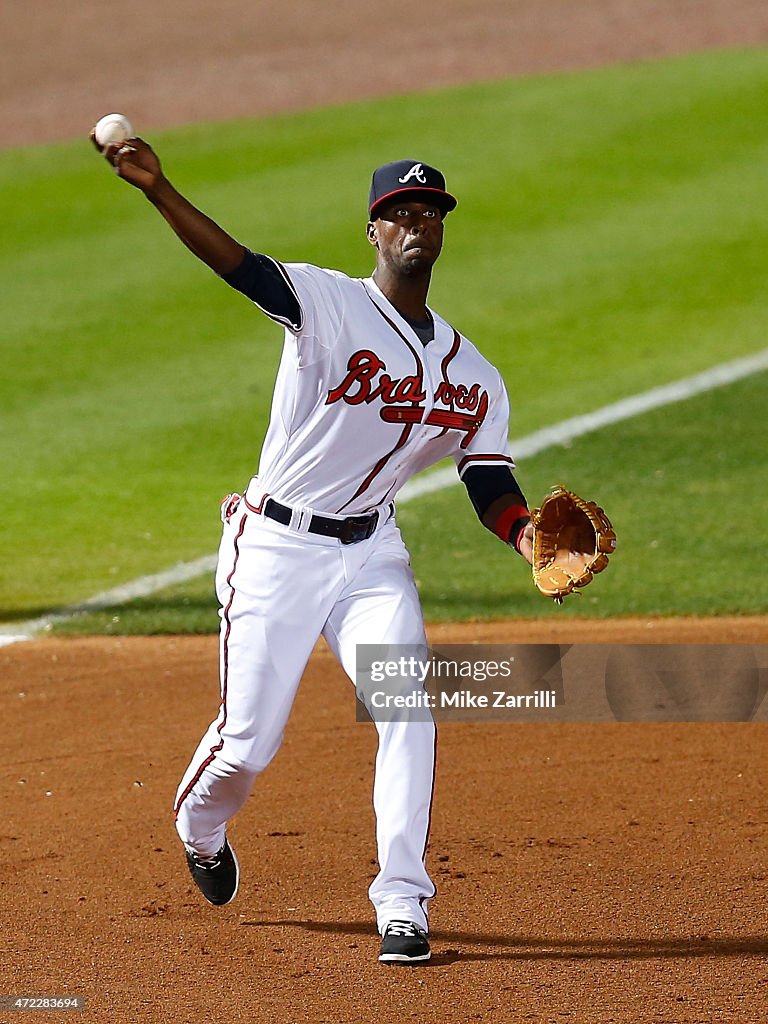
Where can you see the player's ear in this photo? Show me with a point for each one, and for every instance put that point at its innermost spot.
(370, 233)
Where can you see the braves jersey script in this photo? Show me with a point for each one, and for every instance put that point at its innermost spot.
(361, 405)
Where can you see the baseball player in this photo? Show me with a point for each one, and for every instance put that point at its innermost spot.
(373, 386)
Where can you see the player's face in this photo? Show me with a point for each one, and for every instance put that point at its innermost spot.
(408, 236)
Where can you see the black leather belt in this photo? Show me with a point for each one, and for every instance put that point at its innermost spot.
(348, 531)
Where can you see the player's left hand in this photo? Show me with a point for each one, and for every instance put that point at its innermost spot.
(526, 544)
(572, 540)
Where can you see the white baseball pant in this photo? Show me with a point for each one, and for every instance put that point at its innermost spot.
(279, 589)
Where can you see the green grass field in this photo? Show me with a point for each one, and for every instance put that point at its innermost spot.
(464, 572)
(611, 236)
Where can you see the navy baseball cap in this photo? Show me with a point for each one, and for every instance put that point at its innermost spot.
(412, 178)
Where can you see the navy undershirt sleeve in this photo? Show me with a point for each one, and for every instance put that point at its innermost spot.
(487, 483)
(261, 280)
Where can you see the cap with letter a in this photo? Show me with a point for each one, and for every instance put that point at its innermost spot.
(417, 180)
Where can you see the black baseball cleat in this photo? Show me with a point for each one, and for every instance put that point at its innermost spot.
(216, 877)
(404, 943)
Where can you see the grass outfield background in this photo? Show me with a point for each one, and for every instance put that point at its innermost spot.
(611, 236)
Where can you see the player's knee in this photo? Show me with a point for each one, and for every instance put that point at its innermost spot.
(249, 758)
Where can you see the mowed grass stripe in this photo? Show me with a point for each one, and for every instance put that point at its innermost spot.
(658, 568)
(609, 238)
(567, 430)
(171, 588)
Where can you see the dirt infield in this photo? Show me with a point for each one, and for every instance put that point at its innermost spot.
(589, 873)
(586, 873)
(64, 65)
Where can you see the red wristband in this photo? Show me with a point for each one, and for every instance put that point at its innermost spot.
(507, 520)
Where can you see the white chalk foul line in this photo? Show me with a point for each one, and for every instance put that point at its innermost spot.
(141, 587)
(521, 447)
(532, 444)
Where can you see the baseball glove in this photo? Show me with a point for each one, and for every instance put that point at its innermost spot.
(572, 540)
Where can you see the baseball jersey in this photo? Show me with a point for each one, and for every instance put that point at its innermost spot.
(360, 404)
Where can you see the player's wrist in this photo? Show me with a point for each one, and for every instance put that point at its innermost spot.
(160, 192)
(518, 532)
(510, 525)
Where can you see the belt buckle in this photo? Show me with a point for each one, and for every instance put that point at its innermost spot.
(357, 528)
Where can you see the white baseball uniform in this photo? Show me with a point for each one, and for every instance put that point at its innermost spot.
(359, 406)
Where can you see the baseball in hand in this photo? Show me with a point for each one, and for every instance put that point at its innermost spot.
(112, 130)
